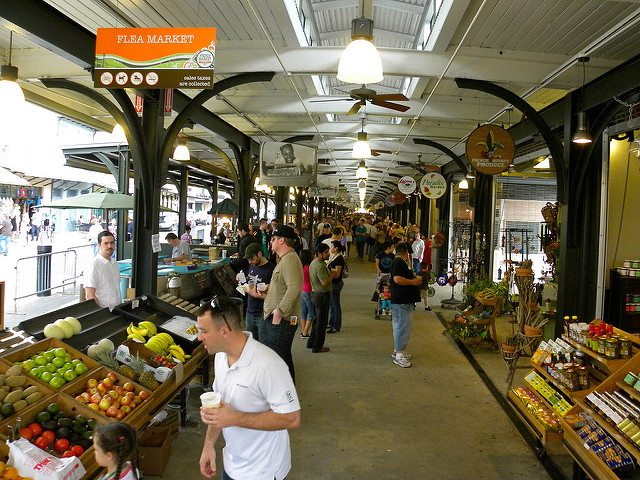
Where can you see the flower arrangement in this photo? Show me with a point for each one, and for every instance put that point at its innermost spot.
(464, 329)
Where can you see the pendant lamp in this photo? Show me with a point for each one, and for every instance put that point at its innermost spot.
(11, 95)
(582, 135)
(181, 153)
(362, 173)
(360, 62)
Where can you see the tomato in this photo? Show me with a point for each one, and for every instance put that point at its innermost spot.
(77, 450)
(61, 445)
(41, 443)
(49, 436)
(68, 453)
(26, 433)
(35, 428)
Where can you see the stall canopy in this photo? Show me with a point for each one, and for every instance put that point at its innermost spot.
(8, 178)
(106, 200)
(228, 207)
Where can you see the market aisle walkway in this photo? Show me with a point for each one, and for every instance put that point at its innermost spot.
(366, 418)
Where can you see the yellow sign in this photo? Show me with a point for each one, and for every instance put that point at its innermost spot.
(490, 149)
(155, 58)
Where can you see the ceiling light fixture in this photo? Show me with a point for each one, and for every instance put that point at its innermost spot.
(543, 165)
(463, 185)
(361, 173)
(118, 133)
(582, 135)
(361, 149)
(11, 95)
(362, 192)
(360, 62)
(181, 153)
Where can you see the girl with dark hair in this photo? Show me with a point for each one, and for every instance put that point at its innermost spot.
(336, 267)
(116, 449)
(308, 314)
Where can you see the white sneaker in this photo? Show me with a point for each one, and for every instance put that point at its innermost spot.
(408, 356)
(400, 360)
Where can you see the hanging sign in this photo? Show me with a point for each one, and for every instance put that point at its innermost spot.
(407, 185)
(398, 197)
(155, 58)
(433, 185)
(378, 205)
(168, 102)
(138, 104)
(490, 149)
(389, 201)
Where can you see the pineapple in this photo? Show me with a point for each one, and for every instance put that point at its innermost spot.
(126, 371)
(146, 379)
(109, 361)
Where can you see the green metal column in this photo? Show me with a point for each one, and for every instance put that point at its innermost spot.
(182, 209)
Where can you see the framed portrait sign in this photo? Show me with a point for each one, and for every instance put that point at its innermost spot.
(287, 165)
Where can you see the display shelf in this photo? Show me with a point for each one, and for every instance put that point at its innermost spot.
(554, 383)
(546, 402)
(587, 460)
(624, 442)
(536, 427)
(611, 364)
(632, 392)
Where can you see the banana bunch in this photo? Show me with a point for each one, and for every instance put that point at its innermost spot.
(160, 343)
(177, 352)
(141, 331)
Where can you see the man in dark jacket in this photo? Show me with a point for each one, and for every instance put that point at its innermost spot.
(238, 261)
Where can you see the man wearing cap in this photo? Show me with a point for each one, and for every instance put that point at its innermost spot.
(238, 260)
(282, 305)
(326, 233)
(260, 271)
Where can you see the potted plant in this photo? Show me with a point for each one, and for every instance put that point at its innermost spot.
(533, 325)
(472, 288)
(463, 329)
(525, 268)
(509, 345)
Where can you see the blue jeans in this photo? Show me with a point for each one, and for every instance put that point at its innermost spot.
(253, 324)
(401, 318)
(4, 244)
(308, 312)
(416, 265)
(335, 321)
(319, 327)
(280, 338)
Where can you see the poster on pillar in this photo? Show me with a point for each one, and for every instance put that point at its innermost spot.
(490, 149)
(284, 164)
(155, 58)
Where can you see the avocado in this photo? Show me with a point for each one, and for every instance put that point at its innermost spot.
(84, 443)
(64, 432)
(77, 427)
(42, 417)
(65, 422)
(50, 425)
(74, 437)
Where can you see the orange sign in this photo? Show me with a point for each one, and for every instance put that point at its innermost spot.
(490, 149)
(155, 57)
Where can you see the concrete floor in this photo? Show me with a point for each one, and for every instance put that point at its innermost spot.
(364, 417)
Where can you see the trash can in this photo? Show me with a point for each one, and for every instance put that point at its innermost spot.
(43, 271)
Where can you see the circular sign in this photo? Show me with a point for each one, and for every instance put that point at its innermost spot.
(433, 185)
(453, 280)
(431, 292)
(407, 185)
(389, 201)
(379, 205)
(442, 279)
(398, 198)
(490, 149)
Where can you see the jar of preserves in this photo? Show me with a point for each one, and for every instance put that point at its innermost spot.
(602, 344)
(571, 379)
(579, 357)
(625, 348)
(612, 348)
(583, 378)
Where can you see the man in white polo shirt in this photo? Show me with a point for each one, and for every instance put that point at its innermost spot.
(102, 280)
(259, 401)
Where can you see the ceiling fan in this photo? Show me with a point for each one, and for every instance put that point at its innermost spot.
(363, 95)
(421, 167)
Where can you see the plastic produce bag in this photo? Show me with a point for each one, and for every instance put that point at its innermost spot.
(32, 462)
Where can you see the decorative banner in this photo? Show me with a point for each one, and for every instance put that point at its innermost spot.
(398, 197)
(433, 185)
(378, 205)
(155, 58)
(389, 201)
(288, 165)
(407, 185)
(490, 149)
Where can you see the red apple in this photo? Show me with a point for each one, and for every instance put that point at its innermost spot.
(120, 415)
(108, 381)
(94, 406)
(105, 403)
(132, 405)
(92, 383)
(126, 409)
(143, 395)
(93, 391)
(96, 398)
(130, 395)
(125, 400)
(119, 389)
(112, 411)
(102, 388)
(116, 403)
(128, 387)
(86, 397)
(137, 400)
(114, 395)
(112, 376)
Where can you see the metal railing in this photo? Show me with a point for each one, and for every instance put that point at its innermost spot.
(41, 274)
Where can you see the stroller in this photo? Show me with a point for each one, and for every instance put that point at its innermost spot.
(380, 284)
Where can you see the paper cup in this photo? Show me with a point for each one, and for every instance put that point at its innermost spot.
(210, 399)
(261, 286)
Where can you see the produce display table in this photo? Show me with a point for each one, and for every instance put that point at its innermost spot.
(26, 340)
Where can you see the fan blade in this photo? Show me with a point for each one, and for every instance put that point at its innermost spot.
(391, 106)
(376, 153)
(356, 108)
(331, 100)
(391, 96)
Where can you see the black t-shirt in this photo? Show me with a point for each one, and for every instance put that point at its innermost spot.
(384, 260)
(338, 261)
(262, 274)
(322, 237)
(402, 293)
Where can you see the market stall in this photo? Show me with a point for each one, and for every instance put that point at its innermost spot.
(124, 365)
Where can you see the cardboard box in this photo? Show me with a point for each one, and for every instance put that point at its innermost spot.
(154, 448)
(172, 422)
(129, 348)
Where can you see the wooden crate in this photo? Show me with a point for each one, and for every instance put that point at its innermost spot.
(134, 418)
(26, 352)
(31, 381)
(67, 405)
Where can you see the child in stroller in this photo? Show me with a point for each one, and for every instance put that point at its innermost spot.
(383, 306)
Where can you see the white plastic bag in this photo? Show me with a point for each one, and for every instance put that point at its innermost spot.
(32, 462)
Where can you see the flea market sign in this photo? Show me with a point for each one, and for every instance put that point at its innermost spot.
(433, 185)
(490, 149)
(155, 58)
